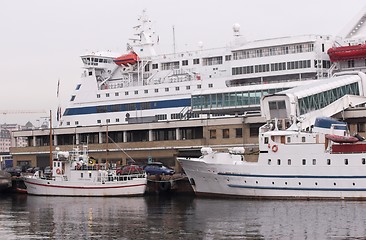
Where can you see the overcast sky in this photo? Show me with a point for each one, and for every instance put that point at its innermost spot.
(41, 40)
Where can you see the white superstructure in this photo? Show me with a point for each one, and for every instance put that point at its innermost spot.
(145, 86)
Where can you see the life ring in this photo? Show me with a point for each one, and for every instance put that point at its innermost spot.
(274, 148)
(58, 171)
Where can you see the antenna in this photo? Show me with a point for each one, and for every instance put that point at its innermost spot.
(173, 39)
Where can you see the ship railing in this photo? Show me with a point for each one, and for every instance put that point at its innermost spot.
(119, 178)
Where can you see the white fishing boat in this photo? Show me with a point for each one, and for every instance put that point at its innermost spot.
(75, 174)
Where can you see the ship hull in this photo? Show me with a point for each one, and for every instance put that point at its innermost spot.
(134, 187)
(252, 181)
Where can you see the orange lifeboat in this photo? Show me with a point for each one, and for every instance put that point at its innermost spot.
(341, 139)
(344, 53)
(130, 58)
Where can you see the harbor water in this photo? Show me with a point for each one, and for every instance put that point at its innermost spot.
(178, 217)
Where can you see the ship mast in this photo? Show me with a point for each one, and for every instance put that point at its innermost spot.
(51, 156)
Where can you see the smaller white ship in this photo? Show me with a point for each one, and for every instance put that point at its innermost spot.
(326, 162)
(75, 174)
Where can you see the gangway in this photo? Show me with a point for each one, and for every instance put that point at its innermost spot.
(321, 98)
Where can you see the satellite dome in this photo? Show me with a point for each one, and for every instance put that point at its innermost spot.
(236, 27)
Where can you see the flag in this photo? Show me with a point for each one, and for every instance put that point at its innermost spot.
(58, 116)
(58, 87)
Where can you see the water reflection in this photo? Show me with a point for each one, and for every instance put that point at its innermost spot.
(155, 217)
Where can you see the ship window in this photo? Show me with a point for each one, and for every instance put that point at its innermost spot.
(363, 161)
(314, 161)
(199, 86)
(76, 122)
(303, 139)
(269, 161)
(176, 88)
(228, 58)
(346, 161)
(196, 61)
(116, 94)
(99, 121)
(184, 62)
(213, 134)
(225, 133)
(166, 89)
(68, 123)
(72, 98)
(126, 93)
(98, 95)
(90, 73)
(78, 87)
(107, 94)
(82, 175)
(146, 91)
(266, 140)
(278, 161)
(107, 120)
(288, 161)
(155, 66)
(304, 162)
(188, 87)
(288, 139)
(136, 92)
(328, 161)
(156, 90)
(117, 119)
(90, 174)
(210, 85)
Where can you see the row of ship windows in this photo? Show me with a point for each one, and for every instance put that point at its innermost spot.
(273, 51)
(173, 116)
(242, 54)
(146, 91)
(315, 183)
(271, 67)
(329, 162)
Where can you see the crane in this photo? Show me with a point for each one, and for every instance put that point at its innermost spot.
(8, 112)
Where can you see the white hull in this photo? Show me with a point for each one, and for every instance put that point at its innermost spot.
(250, 181)
(133, 187)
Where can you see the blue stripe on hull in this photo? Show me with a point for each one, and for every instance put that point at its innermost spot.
(296, 188)
(286, 176)
(128, 107)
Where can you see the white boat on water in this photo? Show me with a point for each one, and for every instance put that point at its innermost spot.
(300, 154)
(75, 174)
(291, 164)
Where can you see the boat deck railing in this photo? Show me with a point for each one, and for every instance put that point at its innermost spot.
(119, 178)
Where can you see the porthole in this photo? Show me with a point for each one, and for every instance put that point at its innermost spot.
(285, 183)
(346, 161)
(316, 183)
(353, 184)
(299, 183)
(272, 183)
(363, 161)
(334, 184)
(256, 182)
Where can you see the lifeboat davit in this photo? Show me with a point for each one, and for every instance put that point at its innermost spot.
(130, 58)
(341, 139)
(344, 53)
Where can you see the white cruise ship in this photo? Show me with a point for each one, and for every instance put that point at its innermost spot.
(143, 86)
